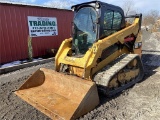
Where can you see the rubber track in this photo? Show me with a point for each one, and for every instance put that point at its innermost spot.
(103, 77)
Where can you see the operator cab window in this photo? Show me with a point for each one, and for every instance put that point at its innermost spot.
(84, 29)
(112, 22)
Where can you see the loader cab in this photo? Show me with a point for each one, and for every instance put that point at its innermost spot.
(93, 21)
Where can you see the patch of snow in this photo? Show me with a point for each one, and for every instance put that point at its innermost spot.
(16, 62)
(7, 65)
(143, 27)
(24, 61)
(34, 60)
(40, 58)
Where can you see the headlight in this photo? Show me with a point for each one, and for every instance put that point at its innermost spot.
(137, 45)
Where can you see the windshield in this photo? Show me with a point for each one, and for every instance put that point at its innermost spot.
(84, 33)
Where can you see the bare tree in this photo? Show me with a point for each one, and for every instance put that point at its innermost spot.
(128, 7)
(155, 14)
(151, 17)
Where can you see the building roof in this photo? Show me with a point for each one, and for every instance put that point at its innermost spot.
(27, 4)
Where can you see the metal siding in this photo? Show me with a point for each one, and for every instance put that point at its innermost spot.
(14, 31)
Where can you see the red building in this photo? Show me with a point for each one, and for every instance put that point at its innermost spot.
(14, 30)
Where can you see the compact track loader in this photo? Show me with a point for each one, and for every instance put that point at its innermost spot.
(103, 55)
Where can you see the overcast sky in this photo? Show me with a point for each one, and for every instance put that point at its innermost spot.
(139, 5)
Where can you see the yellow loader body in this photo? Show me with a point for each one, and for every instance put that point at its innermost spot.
(62, 96)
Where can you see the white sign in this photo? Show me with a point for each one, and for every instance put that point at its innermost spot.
(42, 26)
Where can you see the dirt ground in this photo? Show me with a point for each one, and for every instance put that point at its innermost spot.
(141, 102)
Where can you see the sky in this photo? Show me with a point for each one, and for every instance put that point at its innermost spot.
(141, 6)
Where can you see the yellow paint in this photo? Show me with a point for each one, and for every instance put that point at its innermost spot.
(87, 65)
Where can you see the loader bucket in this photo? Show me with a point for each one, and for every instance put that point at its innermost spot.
(59, 96)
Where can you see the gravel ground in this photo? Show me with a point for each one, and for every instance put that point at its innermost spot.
(140, 102)
(11, 106)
